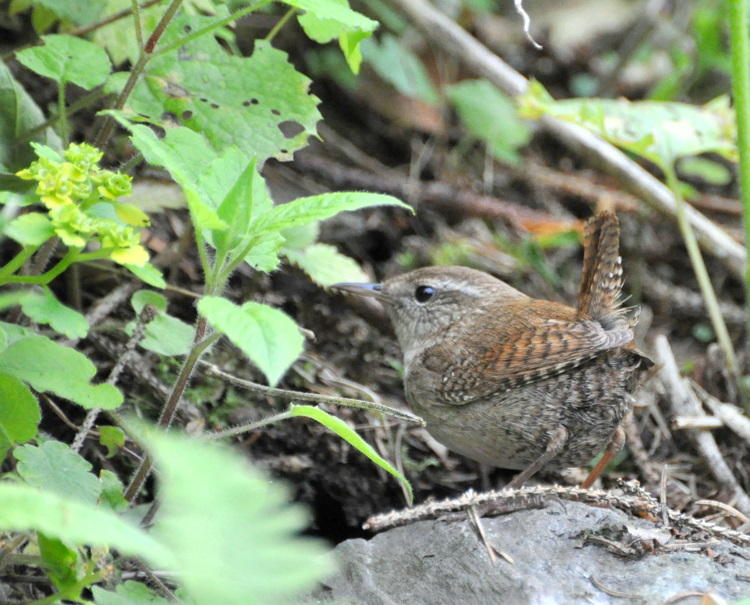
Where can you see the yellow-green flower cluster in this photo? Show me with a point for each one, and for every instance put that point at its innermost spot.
(71, 186)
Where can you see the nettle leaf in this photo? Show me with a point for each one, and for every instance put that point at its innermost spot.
(48, 366)
(68, 59)
(24, 508)
(56, 468)
(344, 431)
(492, 117)
(266, 335)
(31, 229)
(658, 131)
(326, 265)
(264, 255)
(18, 115)
(244, 534)
(319, 207)
(186, 155)
(19, 413)
(46, 309)
(258, 104)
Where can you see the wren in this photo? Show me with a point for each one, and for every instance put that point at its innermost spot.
(512, 381)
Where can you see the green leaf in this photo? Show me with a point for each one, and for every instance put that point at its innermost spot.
(264, 255)
(128, 593)
(67, 59)
(266, 335)
(319, 207)
(712, 172)
(56, 468)
(80, 12)
(338, 11)
(344, 431)
(259, 104)
(658, 131)
(19, 413)
(165, 335)
(11, 299)
(326, 265)
(397, 64)
(31, 229)
(148, 274)
(112, 492)
(492, 117)
(186, 156)
(48, 366)
(111, 437)
(24, 508)
(48, 310)
(62, 565)
(332, 19)
(236, 210)
(18, 115)
(243, 545)
(147, 297)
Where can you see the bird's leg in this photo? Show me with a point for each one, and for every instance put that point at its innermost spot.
(556, 444)
(615, 445)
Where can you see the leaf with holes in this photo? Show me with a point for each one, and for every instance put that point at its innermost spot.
(259, 104)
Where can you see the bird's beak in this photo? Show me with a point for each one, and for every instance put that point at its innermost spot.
(372, 290)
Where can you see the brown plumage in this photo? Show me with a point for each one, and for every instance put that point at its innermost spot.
(512, 381)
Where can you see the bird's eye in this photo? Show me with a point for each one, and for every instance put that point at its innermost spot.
(424, 293)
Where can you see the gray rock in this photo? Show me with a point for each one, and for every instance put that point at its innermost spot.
(445, 563)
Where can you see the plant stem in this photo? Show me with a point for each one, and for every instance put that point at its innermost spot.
(201, 343)
(738, 15)
(17, 261)
(701, 274)
(281, 22)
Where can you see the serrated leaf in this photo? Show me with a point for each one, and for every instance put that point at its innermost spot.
(319, 207)
(348, 434)
(48, 366)
(164, 334)
(186, 155)
(264, 255)
(326, 265)
(65, 58)
(244, 535)
(19, 413)
(491, 116)
(24, 508)
(31, 229)
(56, 468)
(266, 335)
(231, 100)
(46, 309)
